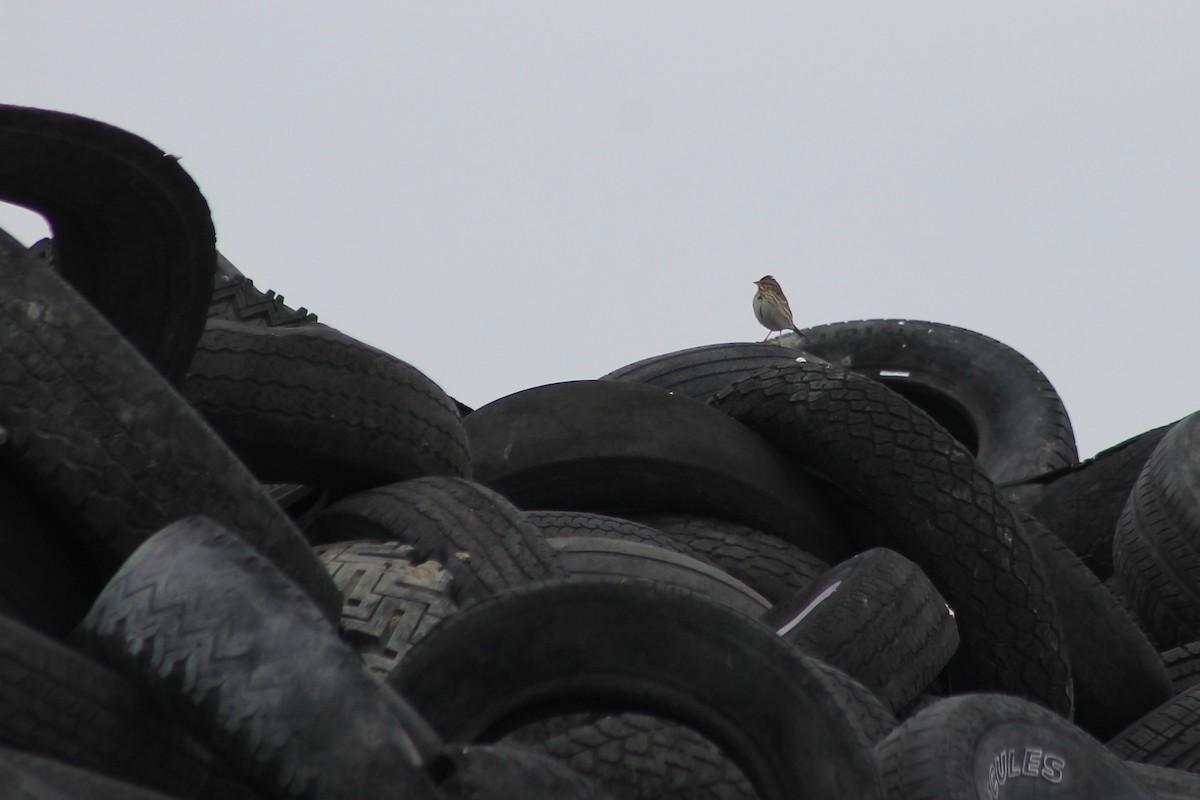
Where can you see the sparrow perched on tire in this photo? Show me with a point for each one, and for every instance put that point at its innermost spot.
(771, 307)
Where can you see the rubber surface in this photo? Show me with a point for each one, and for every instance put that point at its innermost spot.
(1082, 505)
(589, 556)
(390, 598)
(57, 703)
(877, 618)
(642, 647)
(1156, 550)
(109, 440)
(995, 746)
(312, 405)
(477, 536)
(940, 508)
(132, 232)
(614, 447)
(212, 630)
(992, 398)
(766, 563)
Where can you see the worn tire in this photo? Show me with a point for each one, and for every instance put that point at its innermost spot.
(940, 509)
(700, 372)
(311, 405)
(1156, 550)
(645, 648)
(212, 629)
(993, 746)
(1082, 504)
(990, 397)
(877, 618)
(615, 448)
(478, 537)
(110, 442)
(132, 232)
(766, 563)
(57, 703)
(390, 598)
(589, 556)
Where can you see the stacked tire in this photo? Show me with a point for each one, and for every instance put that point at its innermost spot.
(247, 556)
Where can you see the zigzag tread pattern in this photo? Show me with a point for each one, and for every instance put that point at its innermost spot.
(238, 300)
(390, 600)
(196, 632)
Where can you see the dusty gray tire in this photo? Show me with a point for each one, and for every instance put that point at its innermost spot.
(997, 746)
(105, 436)
(390, 599)
(212, 630)
(939, 509)
(618, 448)
(1156, 550)
(635, 645)
(57, 703)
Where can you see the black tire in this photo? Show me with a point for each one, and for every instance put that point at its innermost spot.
(212, 630)
(638, 757)
(1183, 666)
(311, 405)
(614, 447)
(1156, 550)
(59, 704)
(940, 510)
(993, 746)
(110, 442)
(1166, 783)
(1118, 674)
(700, 372)
(1168, 736)
(46, 578)
(589, 556)
(504, 771)
(28, 777)
(476, 535)
(766, 563)
(133, 233)
(645, 648)
(390, 598)
(986, 394)
(877, 618)
(1083, 504)
(235, 299)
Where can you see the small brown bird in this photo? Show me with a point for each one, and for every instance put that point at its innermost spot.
(771, 307)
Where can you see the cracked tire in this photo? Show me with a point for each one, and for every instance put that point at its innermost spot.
(940, 510)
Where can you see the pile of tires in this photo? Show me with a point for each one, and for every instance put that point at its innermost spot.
(243, 555)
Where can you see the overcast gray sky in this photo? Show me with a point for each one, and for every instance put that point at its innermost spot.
(514, 194)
